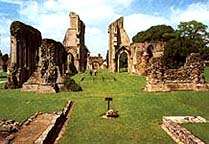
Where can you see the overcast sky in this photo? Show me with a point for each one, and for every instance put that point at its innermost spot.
(51, 17)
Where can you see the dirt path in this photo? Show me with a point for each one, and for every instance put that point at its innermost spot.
(30, 133)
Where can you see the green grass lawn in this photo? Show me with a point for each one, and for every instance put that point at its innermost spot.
(206, 74)
(3, 76)
(199, 130)
(140, 113)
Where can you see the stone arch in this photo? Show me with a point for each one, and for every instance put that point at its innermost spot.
(95, 65)
(148, 53)
(123, 51)
(149, 50)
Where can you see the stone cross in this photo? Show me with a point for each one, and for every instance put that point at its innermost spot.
(108, 99)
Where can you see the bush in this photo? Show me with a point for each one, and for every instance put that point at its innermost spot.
(71, 85)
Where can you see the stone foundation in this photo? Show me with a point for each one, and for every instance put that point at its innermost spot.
(181, 135)
(38, 88)
(41, 128)
(176, 86)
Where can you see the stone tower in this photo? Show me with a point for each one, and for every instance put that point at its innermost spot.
(74, 42)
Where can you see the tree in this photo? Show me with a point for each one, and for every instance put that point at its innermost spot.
(190, 37)
(154, 33)
(5, 59)
(0, 54)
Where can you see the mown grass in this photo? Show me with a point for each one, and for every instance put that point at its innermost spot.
(140, 113)
(206, 74)
(3, 76)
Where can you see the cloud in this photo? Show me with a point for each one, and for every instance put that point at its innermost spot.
(4, 34)
(140, 22)
(51, 17)
(195, 11)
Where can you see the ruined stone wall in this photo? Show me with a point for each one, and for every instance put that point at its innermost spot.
(24, 44)
(74, 42)
(140, 53)
(95, 62)
(49, 75)
(118, 39)
(188, 77)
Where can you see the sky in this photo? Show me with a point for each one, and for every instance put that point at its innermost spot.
(51, 17)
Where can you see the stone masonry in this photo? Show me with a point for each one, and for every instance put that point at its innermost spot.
(142, 53)
(51, 70)
(95, 62)
(74, 42)
(139, 54)
(188, 77)
(25, 41)
(119, 43)
(179, 134)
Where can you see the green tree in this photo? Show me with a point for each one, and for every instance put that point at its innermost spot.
(0, 54)
(190, 37)
(154, 33)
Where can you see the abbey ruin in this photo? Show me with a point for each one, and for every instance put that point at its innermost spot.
(145, 59)
(44, 65)
(138, 54)
(74, 43)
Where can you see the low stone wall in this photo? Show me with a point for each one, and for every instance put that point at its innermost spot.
(176, 86)
(38, 88)
(188, 77)
(180, 134)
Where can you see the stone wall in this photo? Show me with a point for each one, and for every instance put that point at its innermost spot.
(139, 54)
(24, 44)
(95, 62)
(188, 77)
(74, 42)
(118, 43)
(51, 70)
